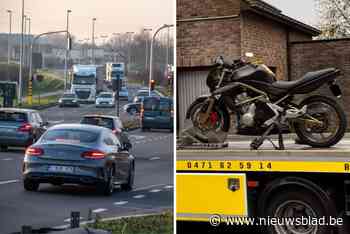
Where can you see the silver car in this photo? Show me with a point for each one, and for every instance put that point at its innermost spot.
(78, 154)
(105, 99)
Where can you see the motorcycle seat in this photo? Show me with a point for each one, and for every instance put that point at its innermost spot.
(308, 77)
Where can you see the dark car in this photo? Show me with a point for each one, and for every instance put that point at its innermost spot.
(68, 99)
(20, 127)
(142, 93)
(157, 112)
(111, 122)
(78, 154)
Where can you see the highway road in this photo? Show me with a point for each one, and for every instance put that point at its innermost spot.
(51, 205)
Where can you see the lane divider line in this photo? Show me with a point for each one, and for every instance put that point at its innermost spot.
(155, 190)
(120, 203)
(8, 182)
(99, 210)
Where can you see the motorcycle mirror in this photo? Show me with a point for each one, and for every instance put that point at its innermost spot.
(219, 60)
(249, 55)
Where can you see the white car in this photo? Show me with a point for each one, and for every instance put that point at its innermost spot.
(105, 99)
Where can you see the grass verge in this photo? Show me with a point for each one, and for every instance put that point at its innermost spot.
(51, 83)
(152, 224)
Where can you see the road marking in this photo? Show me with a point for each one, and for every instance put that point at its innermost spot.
(168, 186)
(137, 137)
(155, 190)
(120, 203)
(8, 182)
(154, 158)
(68, 219)
(99, 210)
(7, 159)
(148, 187)
(139, 196)
(57, 122)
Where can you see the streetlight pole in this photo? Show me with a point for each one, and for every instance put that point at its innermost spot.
(114, 47)
(25, 42)
(129, 47)
(151, 55)
(93, 41)
(19, 98)
(9, 38)
(30, 93)
(28, 39)
(147, 37)
(67, 53)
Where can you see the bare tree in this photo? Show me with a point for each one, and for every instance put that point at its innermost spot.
(334, 18)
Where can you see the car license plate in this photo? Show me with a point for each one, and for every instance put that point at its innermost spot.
(63, 169)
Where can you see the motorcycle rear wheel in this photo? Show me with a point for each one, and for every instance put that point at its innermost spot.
(330, 113)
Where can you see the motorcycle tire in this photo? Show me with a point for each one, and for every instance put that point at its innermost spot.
(221, 132)
(336, 137)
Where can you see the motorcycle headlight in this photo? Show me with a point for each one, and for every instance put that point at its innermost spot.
(60, 101)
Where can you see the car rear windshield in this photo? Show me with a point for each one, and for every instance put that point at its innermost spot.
(13, 116)
(69, 95)
(156, 104)
(98, 121)
(71, 136)
(105, 95)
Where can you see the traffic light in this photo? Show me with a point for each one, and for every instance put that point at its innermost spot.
(116, 84)
(152, 85)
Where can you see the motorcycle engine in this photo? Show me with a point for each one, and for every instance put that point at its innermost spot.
(253, 114)
(247, 110)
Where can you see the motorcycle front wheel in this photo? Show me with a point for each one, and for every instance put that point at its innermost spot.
(324, 124)
(215, 128)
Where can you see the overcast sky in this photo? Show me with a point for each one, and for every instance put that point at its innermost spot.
(113, 16)
(303, 10)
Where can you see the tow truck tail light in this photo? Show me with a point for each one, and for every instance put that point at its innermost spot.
(34, 151)
(253, 184)
(93, 154)
(26, 127)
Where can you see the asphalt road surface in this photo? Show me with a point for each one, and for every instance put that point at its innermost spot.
(51, 205)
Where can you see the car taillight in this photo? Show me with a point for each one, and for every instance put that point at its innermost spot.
(34, 151)
(94, 154)
(26, 127)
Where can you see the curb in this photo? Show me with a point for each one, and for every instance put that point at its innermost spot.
(65, 226)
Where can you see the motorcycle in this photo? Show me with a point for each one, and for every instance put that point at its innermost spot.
(263, 106)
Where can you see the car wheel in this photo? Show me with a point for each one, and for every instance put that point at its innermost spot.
(107, 187)
(4, 148)
(128, 186)
(30, 185)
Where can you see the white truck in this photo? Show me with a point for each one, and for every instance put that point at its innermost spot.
(117, 71)
(84, 82)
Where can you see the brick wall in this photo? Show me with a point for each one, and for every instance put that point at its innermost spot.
(267, 40)
(299, 36)
(206, 8)
(315, 55)
(198, 43)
